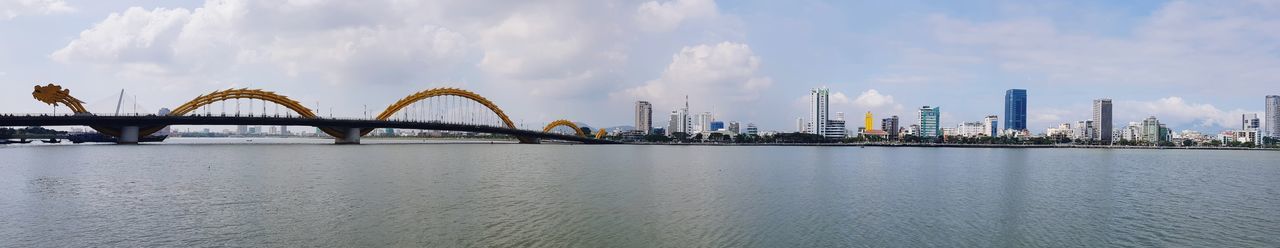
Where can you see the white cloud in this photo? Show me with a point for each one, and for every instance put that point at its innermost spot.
(720, 74)
(664, 16)
(1178, 112)
(873, 99)
(555, 50)
(10, 9)
(135, 36)
(1197, 46)
(224, 35)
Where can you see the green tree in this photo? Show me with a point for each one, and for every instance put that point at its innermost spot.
(656, 138)
(680, 137)
(7, 133)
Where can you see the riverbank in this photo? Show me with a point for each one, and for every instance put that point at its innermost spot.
(960, 145)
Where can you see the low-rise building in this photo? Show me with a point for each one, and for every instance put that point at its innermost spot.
(972, 129)
(1063, 130)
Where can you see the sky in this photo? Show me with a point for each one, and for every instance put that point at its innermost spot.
(1193, 64)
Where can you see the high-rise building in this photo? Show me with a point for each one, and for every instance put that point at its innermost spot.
(752, 129)
(734, 127)
(673, 123)
(1151, 130)
(930, 118)
(1250, 122)
(242, 129)
(703, 122)
(890, 126)
(991, 125)
(1084, 130)
(680, 121)
(1273, 116)
(818, 107)
(868, 122)
(1102, 119)
(644, 117)
(1015, 109)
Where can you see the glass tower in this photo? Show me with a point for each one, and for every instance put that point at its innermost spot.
(1015, 109)
(930, 118)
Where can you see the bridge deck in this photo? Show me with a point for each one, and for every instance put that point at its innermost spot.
(151, 121)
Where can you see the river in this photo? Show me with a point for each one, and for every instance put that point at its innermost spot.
(307, 193)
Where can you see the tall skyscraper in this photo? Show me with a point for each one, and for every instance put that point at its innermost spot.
(1273, 116)
(818, 107)
(673, 123)
(930, 120)
(644, 117)
(890, 125)
(868, 123)
(1250, 122)
(1015, 109)
(1102, 119)
(703, 122)
(991, 125)
(680, 121)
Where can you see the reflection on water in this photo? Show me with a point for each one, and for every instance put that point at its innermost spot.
(189, 193)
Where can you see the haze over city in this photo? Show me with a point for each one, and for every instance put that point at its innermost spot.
(1194, 64)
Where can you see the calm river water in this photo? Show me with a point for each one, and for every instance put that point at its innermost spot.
(504, 195)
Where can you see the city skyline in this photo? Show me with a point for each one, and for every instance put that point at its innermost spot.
(588, 61)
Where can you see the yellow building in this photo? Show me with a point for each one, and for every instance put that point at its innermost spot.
(868, 125)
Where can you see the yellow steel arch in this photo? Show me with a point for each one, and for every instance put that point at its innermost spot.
(600, 134)
(244, 93)
(230, 94)
(565, 123)
(423, 95)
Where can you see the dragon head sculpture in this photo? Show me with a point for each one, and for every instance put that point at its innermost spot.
(53, 94)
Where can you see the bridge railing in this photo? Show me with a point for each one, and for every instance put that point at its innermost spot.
(241, 115)
(73, 114)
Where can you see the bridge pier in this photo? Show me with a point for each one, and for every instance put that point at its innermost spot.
(528, 140)
(353, 137)
(128, 135)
